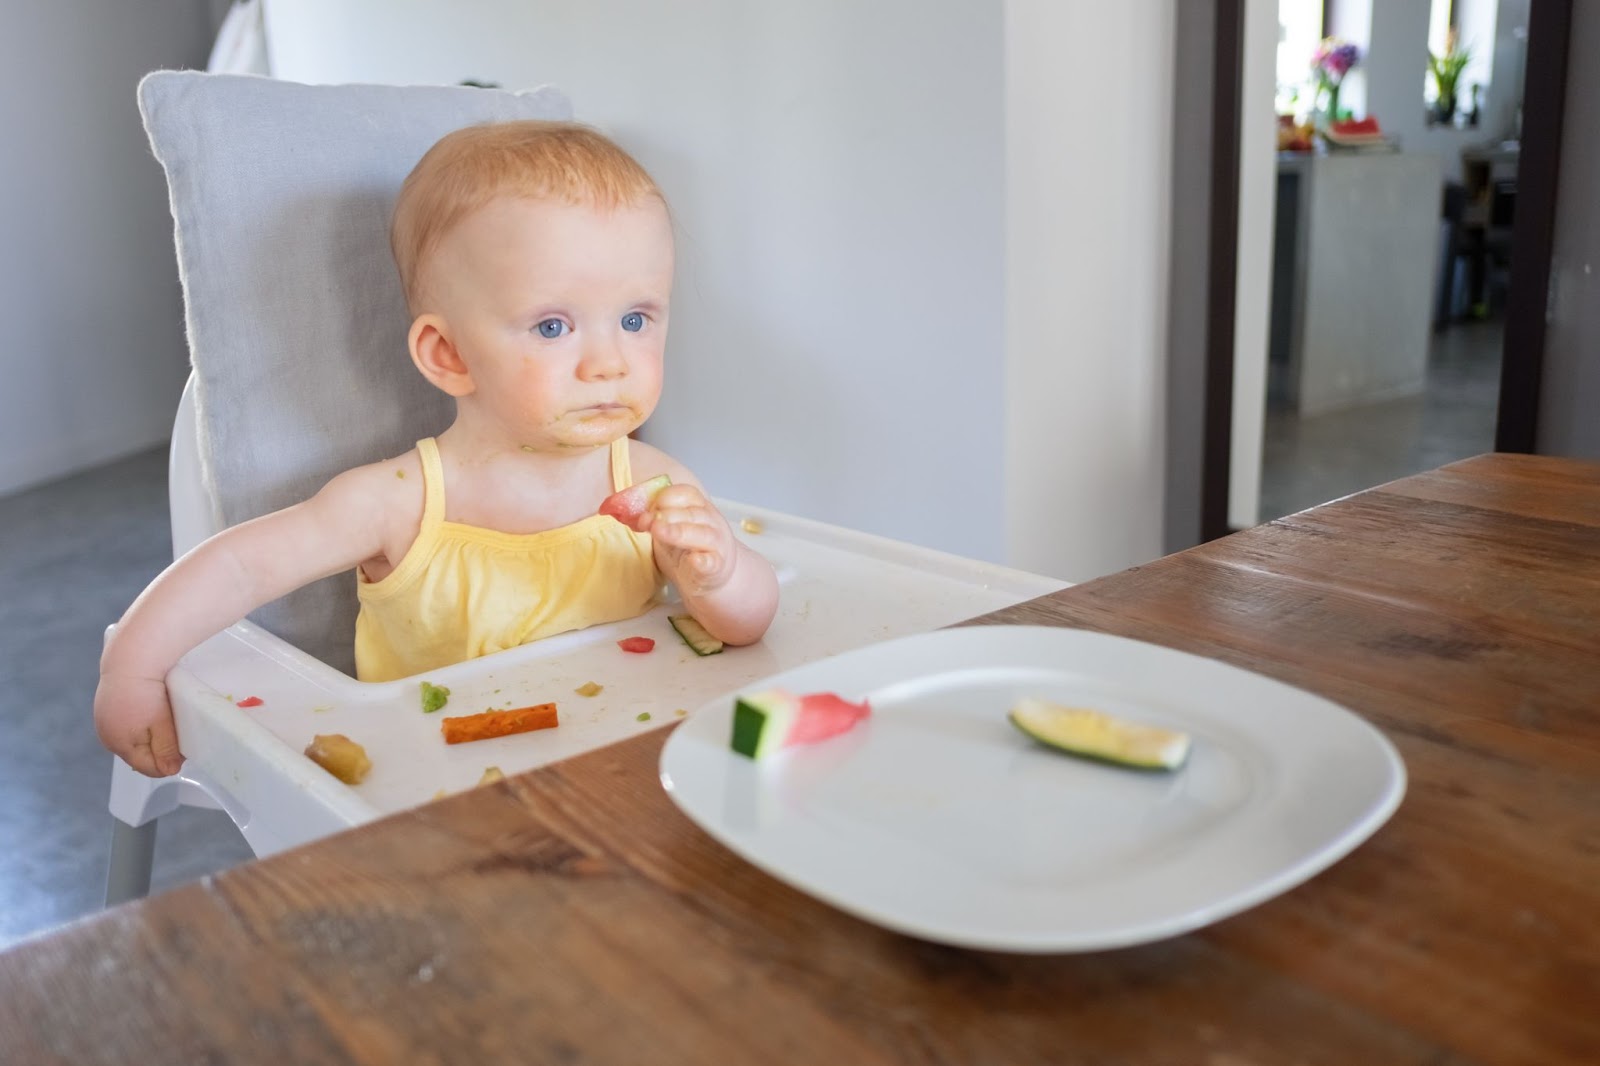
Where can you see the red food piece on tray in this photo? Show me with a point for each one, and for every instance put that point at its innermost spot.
(638, 645)
(251, 701)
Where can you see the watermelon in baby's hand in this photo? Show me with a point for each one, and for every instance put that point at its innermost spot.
(630, 505)
(767, 722)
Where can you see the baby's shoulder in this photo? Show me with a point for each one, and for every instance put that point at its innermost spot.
(648, 461)
(388, 485)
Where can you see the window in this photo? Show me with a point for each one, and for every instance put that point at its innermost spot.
(1300, 27)
(1441, 20)
(1474, 24)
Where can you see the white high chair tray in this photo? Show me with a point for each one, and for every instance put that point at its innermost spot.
(840, 590)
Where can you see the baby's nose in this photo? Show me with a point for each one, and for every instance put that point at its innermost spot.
(602, 359)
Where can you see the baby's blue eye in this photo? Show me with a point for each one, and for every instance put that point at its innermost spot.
(633, 322)
(551, 328)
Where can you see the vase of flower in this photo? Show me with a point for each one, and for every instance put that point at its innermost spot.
(1332, 60)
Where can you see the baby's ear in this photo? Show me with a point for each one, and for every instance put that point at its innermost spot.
(437, 356)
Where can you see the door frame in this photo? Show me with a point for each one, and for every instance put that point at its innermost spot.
(1205, 227)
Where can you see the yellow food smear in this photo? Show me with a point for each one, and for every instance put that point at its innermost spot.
(750, 525)
(490, 775)
(589, 688)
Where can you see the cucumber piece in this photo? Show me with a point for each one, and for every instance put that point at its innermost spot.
(694, 634)
(1093, 735)
(762, 721)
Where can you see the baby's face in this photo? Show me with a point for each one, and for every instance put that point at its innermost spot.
(560, 312)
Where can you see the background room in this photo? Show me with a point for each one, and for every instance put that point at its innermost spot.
(1391, 201)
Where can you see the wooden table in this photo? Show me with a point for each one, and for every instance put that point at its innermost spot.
(573, 915)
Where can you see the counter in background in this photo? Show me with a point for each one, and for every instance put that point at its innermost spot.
(1354, 256)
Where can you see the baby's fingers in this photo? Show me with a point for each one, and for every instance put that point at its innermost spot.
(685, 516)
(137, 754)
(154, 751)
(686, 536)
(164, 746)
(678, 497)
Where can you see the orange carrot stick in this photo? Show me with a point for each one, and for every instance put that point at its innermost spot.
(468, 727)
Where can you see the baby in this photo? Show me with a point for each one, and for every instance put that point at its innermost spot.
(537, 262)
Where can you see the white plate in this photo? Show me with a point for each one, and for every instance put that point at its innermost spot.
(936, 817)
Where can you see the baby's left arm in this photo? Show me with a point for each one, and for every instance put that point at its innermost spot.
(729, 589)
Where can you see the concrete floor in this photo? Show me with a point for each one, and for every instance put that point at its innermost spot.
(1307, 461)
(75, 553)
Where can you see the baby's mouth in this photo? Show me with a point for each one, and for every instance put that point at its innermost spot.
(603, 410)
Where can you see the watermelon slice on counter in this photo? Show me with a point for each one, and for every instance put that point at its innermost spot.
(630, 505)
(767, 722)
(1357, 127)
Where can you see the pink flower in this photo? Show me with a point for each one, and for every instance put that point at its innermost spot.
(1333, 59)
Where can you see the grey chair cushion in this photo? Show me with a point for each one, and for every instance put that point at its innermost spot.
(281, 194)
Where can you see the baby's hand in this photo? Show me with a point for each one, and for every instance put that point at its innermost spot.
(694, 544)
(134, 719)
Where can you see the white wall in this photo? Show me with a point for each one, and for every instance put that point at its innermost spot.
(94, 353)
(850, 325)
(1088, 160)
(1258, 192)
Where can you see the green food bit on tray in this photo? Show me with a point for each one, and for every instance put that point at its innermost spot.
(433, 697)
(644, 716)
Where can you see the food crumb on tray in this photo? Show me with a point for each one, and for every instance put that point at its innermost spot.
(340, 756)
(433, 697)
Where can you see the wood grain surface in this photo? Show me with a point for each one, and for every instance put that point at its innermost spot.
(572, 915)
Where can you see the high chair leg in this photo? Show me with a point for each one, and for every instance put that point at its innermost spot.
(133, 847)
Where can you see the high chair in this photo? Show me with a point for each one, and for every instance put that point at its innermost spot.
(262, 424)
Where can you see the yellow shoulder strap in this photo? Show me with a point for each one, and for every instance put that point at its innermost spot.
(432, 483)
(621, 469)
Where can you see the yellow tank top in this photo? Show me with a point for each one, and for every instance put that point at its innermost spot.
(463, 591)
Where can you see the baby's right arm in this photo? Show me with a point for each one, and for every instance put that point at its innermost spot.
(220, 582)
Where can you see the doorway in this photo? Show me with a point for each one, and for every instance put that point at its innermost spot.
(1477, 341)
(1395, 186)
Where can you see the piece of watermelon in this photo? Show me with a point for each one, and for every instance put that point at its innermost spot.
(1357, 127)
(630, 505)
(766, 722)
